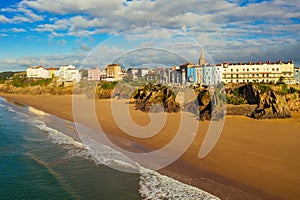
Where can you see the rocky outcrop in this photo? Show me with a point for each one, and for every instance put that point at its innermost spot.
(250, 93)
(294, 102)
(155, 98)
(243, 109)
(271, 105)
(208, 105)
(214, 110)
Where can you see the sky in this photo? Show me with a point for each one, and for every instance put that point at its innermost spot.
(89, 33)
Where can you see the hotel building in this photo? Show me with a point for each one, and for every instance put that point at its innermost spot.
(258, 72)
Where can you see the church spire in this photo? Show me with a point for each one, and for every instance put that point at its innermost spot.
(202, 58)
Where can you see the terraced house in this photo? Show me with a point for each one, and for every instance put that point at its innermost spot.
(258, 72)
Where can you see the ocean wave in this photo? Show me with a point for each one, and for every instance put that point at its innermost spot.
(156, 186)
(152, 184)
(58, 137)
(10, 109)
(103, 154)
(36, 111)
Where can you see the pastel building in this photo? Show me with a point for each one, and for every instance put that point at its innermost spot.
(94, 74)
(113, 72)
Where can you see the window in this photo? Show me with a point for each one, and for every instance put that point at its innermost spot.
(237, 70)
(232, 70)
(247, 70)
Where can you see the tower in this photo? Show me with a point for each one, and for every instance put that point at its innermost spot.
(202, 58)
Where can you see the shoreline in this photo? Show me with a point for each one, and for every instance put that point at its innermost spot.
(204, 173)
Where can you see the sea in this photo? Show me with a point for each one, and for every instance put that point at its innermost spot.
(39, 160)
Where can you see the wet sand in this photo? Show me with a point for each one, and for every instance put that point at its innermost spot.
(253, 159)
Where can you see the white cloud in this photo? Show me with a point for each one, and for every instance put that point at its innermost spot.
(85, 47)
(22, 14)
(3, 19)
(18, 30)
(225, 29)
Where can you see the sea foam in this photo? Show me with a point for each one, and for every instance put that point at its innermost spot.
(156, 186)
(152, 184)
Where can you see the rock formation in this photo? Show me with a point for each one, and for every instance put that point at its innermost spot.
(154, 97)
(271, 105)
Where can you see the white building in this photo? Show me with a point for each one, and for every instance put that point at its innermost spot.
(258, 72)
(297, 75)
(69, 73)
(36, 72)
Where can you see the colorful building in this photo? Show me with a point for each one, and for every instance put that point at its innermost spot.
(94, 74)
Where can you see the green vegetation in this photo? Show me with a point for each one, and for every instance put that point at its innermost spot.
(108, 85)
(24, 82)
(235, 97)
(287, 90)
(263, 88)
(5, 76)
(235, 100)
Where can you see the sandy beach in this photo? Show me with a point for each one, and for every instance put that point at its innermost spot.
(253, 159)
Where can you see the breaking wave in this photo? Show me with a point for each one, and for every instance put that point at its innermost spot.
(152, 184)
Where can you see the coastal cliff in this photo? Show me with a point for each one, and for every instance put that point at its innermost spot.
(154, 98)
(259, 101)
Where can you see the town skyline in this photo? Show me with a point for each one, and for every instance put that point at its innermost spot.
(52, 33)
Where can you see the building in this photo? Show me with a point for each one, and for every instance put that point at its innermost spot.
(138, 74)
(41, 72)
(258, 72)
(152, 77)
(201, 73)
(191, 74)
(94, 74)
(113, 72)
(164, 75)
(52, 72)
(297, 75)
(69, 73)
(36, 72)
(187, 73)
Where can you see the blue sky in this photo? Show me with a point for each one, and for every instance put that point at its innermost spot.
(57, 32)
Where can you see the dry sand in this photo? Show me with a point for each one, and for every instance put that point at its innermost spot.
(253, 158)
